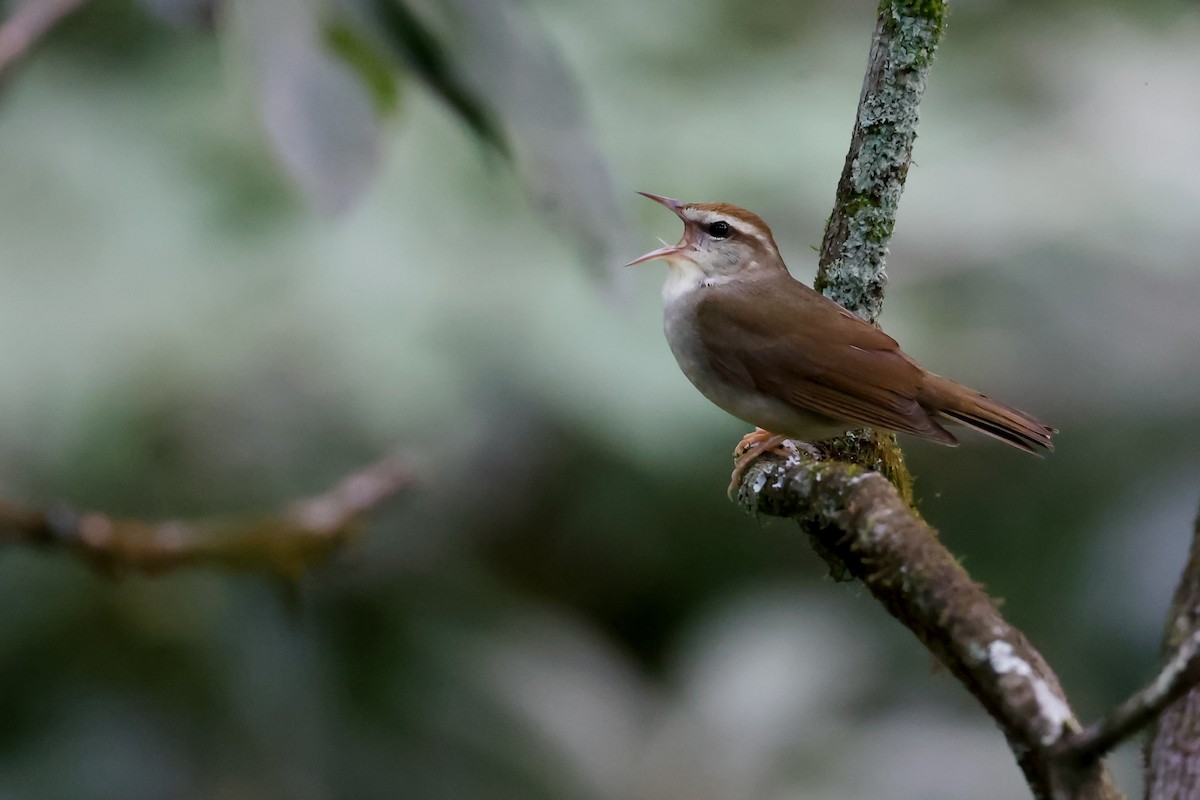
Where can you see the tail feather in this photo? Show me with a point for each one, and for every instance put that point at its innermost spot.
(988, 416)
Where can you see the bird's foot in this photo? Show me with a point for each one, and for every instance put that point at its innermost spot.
(757, 442)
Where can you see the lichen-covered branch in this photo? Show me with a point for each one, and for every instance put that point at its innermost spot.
(28, 22)
(851, 269)
(1172, 764)
(862, 526)
(307, 533)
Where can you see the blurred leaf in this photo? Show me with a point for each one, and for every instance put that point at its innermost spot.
(374, 71)
(420, 49)
(317, 113)
(112, 36)
(182, 13)
(497, 70)
(512, 63)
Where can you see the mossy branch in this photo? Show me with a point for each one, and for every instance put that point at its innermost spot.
(851, 270)
(852, 267)
(865, 530)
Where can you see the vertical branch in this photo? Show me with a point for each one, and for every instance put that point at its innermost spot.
(1172, 765)
(851, 269)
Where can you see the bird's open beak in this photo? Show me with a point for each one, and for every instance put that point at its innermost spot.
(667, 250)
(674, 205)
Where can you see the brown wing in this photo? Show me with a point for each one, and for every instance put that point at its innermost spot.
(825, 360)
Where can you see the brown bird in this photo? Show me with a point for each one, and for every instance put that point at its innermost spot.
(784, 358)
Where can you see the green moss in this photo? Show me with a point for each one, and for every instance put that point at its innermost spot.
(869, 192)
(874, 451)
(933, 11)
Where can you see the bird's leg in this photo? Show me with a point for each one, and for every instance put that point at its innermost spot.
(753, 445)
(754, 441)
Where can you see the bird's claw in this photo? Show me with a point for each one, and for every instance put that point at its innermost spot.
(754, 444)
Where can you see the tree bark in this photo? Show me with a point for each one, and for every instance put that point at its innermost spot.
(865, 530)
(1173, 750)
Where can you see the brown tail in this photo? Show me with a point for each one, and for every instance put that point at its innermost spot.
(954, 401)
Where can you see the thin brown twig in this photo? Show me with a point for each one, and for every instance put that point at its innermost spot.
(307, 533)
(1178, 676)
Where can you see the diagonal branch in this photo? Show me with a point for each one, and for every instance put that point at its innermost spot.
(1179, 675)
(862, 526)
(307, 533)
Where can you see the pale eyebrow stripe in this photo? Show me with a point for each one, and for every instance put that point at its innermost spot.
(703, 216)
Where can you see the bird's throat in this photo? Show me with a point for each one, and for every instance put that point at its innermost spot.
(685, 277)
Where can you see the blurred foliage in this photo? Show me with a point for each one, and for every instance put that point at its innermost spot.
(112, 35)
(569, 607)
(385, 90)
(417, 46)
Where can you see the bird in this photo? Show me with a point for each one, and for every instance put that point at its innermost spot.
(783, 357)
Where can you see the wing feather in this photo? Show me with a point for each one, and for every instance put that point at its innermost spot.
(829, 361)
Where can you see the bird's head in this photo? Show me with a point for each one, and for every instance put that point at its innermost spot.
(718, 238)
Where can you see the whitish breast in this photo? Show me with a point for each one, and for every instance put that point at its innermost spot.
(748, 405)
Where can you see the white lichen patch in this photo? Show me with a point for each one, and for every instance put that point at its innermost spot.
(878, 522)
(1053, 712)
(855, 480)
(792, 450)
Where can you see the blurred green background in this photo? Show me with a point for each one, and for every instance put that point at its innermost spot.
(568, 607)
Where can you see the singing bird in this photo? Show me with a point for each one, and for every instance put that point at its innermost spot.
(788, 360)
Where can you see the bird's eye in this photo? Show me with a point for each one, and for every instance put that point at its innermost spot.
(719, 229)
